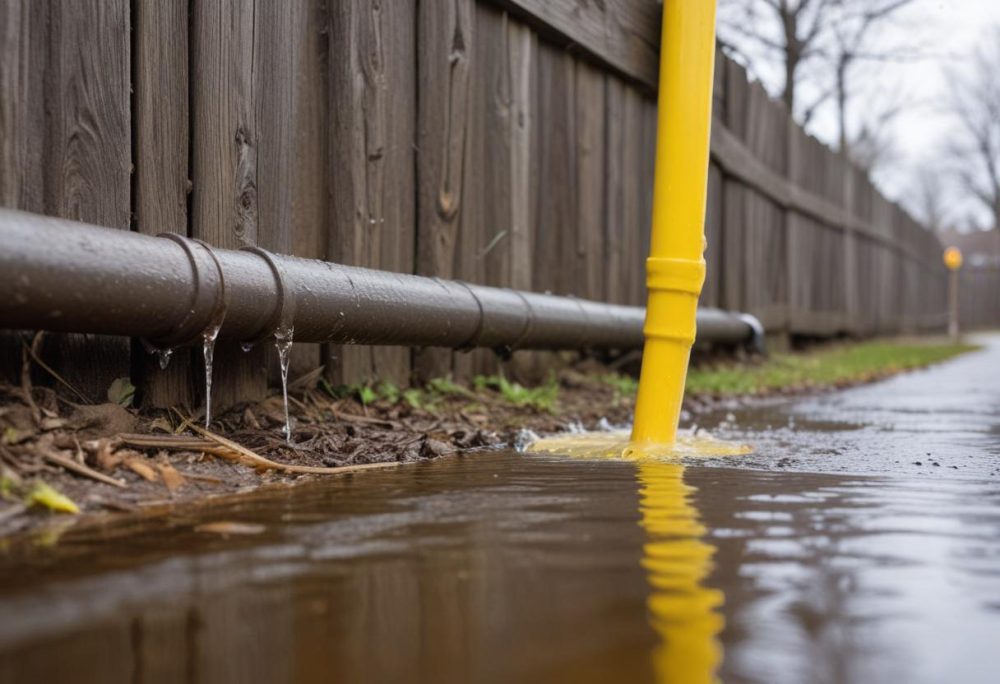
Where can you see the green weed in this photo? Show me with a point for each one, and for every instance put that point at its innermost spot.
(542, 398)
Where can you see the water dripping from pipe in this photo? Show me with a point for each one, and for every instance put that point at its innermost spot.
(283, 343)
(208, 349)
(163, 356)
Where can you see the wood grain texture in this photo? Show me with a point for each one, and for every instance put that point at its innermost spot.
(226, 142)
(588, 276)
(621, 35)
(555, 254)
(245, 60)
(161, 184)
(372, 108)
(483, 247)
(310, 181)
(15, 26)
(65, 141)
(444, 40)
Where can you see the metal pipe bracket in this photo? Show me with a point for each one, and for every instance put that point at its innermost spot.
(282, 320)
(208, 296)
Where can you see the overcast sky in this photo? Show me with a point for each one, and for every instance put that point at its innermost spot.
(946, 30)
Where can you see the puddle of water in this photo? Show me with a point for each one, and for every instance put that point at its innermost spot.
(525, 567)
(836, 552)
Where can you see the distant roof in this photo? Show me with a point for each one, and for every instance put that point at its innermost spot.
(982, 246)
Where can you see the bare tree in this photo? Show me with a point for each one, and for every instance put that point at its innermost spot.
(928, 199)
(823, 40)
(873, 146)
(791, 32)
(974, 150)
(854, 34)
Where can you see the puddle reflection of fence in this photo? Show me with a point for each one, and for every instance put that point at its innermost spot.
(682, 611)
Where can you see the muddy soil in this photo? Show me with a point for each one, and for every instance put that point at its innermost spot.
(110, 458)
(107, 458)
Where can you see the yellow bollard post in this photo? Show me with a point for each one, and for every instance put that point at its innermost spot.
(953, 261)
(675, 270)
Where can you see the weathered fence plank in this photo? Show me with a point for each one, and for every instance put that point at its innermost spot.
(508, 142)
(444, 39)
(310, 181)
(621, 34)
(372, 108)
(226, 138)
(65, 143)
(160, 97)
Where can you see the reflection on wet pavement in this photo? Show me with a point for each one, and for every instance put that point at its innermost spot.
(820, 559)
(682, 610)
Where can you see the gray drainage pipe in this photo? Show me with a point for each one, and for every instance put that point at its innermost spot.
(61, 275)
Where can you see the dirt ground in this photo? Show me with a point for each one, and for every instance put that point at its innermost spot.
(57, 456)
(110, 458)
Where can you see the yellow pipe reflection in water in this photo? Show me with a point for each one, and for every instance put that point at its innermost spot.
(683, 612)
(677, 559)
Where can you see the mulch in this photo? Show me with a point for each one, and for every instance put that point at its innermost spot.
(109, 458)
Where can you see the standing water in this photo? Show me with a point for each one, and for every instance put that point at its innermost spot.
(283, 342)
(847, 548)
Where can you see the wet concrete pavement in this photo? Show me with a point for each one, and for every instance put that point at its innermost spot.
(837, 553)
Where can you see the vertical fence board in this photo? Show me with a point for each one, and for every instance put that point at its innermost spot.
(77, 71)
(555, 254)
(310, 184)
(589, 111)
(614, 135)
(160, 96)
(15, 125)
(372, 100)
(444, 36)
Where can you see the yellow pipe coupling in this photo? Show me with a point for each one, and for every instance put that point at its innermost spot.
(674, 286)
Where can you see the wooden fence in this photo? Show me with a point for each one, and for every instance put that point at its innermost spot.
(979, 296)
(505, 142)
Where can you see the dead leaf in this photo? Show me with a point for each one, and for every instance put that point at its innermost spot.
(102, 419)
(121, 392)
(43, 494)
(227, 528)
(250, 419)
(140, 466)
(105, 456)
(52, 423)
(171, 476)
(161, 424)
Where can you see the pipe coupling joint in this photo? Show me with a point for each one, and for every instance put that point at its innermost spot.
(674, 286)
(675, 275)
(208, 298)
(281, 323)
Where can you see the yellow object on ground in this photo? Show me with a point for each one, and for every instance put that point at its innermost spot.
(675, 270)
(618, 445)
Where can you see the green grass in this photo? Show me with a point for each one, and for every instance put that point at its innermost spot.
(436, 390)
(542, 398)
(825, 367)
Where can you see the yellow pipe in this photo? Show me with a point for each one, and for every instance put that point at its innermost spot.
(675, 270)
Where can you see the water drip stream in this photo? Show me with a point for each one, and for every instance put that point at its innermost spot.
(162, 355)
(283, 343)
(208, 349)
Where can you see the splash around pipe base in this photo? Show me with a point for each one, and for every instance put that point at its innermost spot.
(619, 446)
